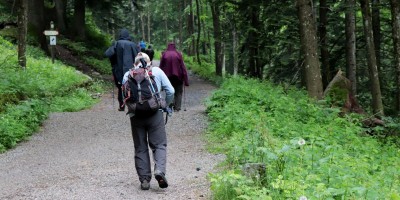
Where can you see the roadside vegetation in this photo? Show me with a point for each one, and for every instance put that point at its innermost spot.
(279, 144)
(27, 96)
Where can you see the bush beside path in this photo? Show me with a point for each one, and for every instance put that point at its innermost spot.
(90, 155)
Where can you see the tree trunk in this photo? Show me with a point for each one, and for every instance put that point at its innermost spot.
(166, 22)
(133, 23)
(148, 27)
(181, 8)
(327, 73)
(190, 26)
(376, 28)
(351, 45)
(377, 105)
(309, 48)
(79, 19)
(235, 41)
(395, 9)
(141, 16)
(253, 59)
(61, 6)
(22, 31)
(198, 31)
(37, 22)
(218, 39)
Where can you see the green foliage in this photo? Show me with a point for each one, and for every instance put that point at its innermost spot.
(307, 149)
(102, 66)
(205, 70)
(20, 121)
(96, 39)
(77, 47)
(27, 96)
(78, 100)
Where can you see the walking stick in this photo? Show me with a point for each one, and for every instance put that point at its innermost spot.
(113, 97)
(184, 98)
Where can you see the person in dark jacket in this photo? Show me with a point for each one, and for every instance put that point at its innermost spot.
(122, 55)
(150, 52)
(172, 64)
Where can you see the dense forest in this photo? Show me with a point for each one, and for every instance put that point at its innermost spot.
(345, 54)
(302, 43)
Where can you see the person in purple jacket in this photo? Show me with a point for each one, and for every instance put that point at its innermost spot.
(172, 64)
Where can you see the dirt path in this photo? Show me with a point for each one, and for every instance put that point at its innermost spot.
(90, 155)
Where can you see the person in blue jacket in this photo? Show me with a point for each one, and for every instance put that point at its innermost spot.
(122, 54)
(142, 46)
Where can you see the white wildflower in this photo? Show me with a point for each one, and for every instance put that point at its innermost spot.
(301, 142)
(303, 198)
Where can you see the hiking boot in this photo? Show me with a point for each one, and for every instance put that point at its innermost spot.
(145, 185)
(121, 108)
(160, 177)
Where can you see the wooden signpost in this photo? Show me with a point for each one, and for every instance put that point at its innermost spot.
(53, 40)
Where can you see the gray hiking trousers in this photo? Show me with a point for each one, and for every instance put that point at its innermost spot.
(149, 132)
(178, 86)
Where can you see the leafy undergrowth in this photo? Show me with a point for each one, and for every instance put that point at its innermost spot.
(27, 96)
(308, 151)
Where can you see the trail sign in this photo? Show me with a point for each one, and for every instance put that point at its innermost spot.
(52, 40)
(50, 32)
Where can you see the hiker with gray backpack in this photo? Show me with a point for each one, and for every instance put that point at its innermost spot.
(142, 86)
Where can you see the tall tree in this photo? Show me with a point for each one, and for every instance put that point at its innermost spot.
(148, 26)
(395, 10)
(198, 31)
(190, 26)
(377, 105)
(253, 44)
(323, 35)
(351, 66)
(309, 48)
(143, 25)
(61, 6)
(376, 29)
(37, 22)
(217, 37)
(22, 31)
(79, 19)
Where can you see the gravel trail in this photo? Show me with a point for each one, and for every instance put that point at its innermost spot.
(90, 155)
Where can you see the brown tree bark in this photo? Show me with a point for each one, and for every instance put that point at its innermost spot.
(22, 31)
(190, 25)
(142, 25)
(395, 10)
(79, 19)
(61, 6)
(180, 21)
(166, 22)
(323, 37)
(309, 48)
(149, 27)
(376, 29)
(253, 46)
(351, 45)
(218, 38)
(37, 22)
(198, 31)
(377, 105)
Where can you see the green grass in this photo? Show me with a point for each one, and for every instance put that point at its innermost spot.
(257, 122)
(28, 95)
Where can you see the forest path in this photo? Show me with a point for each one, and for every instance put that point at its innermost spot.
(90, 155)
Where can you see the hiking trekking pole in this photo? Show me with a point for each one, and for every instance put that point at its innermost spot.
(184, 98)
(113, 97)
